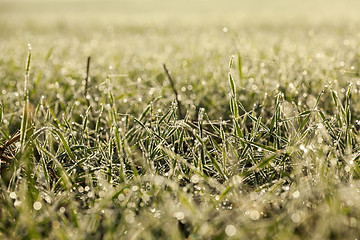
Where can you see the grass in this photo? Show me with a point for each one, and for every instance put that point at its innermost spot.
(265, 145)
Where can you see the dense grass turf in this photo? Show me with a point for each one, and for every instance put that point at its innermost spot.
(263, 141)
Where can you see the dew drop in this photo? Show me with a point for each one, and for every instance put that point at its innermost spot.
(37, 205)
(296, 217)
(62, 209)
(230, 230)
(102, 194)
(56, 225)
(179, 215)
(254, 196)
(254, 215)
(17, 203)
(13, 195)
(129, 218)
(121, 197)
(195, 179)
(296, 194)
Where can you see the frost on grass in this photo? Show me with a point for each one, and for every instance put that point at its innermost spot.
(278, 157)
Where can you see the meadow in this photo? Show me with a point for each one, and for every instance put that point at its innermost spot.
(190, 120)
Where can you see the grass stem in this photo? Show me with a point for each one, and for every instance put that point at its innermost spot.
(181, 116)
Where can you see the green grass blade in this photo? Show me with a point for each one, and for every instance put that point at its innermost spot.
(145, 112)
(232, 85)
(266, 161)
(215, 163)
(304, 122)
(65, 144)
(240, 70)
(119, 150)
(262, 146)
(1, 112)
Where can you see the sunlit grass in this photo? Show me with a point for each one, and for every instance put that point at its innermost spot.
(270, 151)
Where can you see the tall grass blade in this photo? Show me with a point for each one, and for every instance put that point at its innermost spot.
(240, 70)
(65, 144)
(24, 119)
(1, 112)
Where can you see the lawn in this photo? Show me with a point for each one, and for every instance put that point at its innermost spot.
(155, 119)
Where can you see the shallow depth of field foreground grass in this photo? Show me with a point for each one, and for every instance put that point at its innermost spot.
(251, 131)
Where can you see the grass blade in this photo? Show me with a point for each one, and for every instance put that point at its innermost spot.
(240, 70)
(65, 144)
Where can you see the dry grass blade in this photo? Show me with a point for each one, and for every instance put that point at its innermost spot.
(7, 151)
(87, 80)
(175, 91)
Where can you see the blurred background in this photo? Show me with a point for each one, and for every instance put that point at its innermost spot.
(178, 11)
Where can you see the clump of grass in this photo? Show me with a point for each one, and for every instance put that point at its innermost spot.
(277, 162)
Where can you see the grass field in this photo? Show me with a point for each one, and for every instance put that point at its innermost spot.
(249, 131)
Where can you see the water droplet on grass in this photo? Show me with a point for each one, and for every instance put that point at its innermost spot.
(296, 194)
(129, 218)
(17, 203)
(121, 197)
(296, 217)
(37, 205)
(102, 194)
(157, 214)
(254, 196)
(230, 230)
(179, 215)
(254, 215)
(303, 148)
(62, 209)
(13, 195)
(195, 179)
(56, 225)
